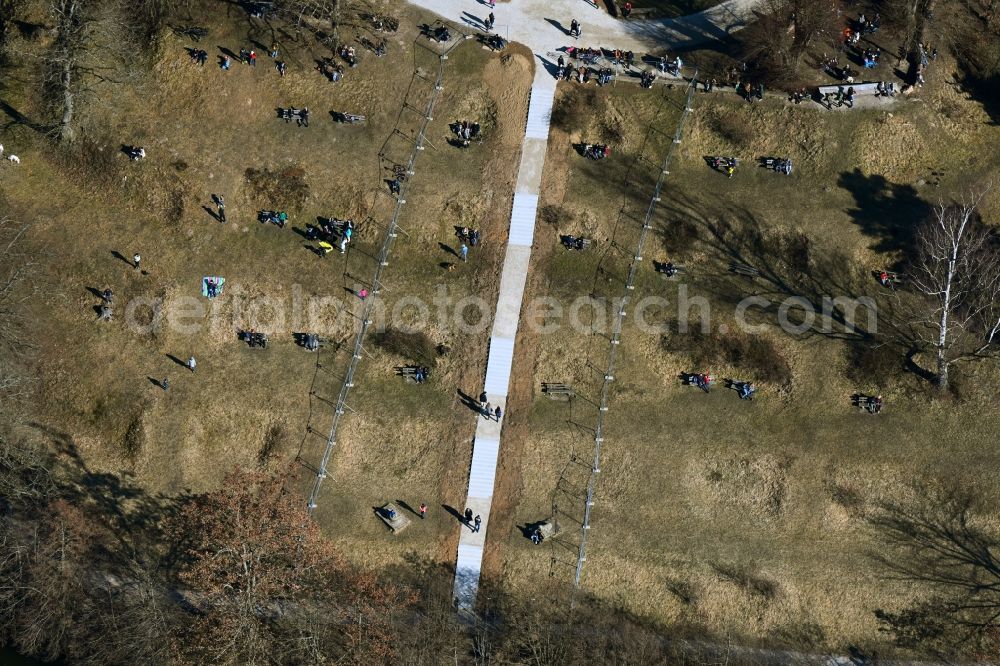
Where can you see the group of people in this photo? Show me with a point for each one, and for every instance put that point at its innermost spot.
(725, 164)
(349, 55)
(751, 91)
(328, 231)
(199, 56)
(470, 236)
(865, 25)
(647, 79)
(745, 390)
(465, 130)
(779, 164)
(840, 98)
(300, 116)
(885, 89)
(330, 69)
(487, 410)
(870, 57)
(596, 151)
(671, 66)
(275, 217)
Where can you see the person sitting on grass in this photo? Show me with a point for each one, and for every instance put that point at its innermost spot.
(703, 381)
(746, 390)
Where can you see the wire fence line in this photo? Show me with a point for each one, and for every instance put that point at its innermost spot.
(417, 137)
(616, 331)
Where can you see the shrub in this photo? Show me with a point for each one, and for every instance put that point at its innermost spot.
(88, 161)
(274, 441)
(285, 188)
(679, 237)
(878, 364)
(555, 216)
(575, 108)
(752, 353)
(134, 440)
(732, 128)
(415, 345)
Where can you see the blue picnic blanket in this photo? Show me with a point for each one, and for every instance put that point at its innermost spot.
(219, 281)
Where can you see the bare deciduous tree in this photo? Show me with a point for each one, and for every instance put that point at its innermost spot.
(270, 588)
(92, 42)
(784, 32)
(956, 268)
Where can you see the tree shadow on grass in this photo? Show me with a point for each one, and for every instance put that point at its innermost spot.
(937, 547)
(888, 212)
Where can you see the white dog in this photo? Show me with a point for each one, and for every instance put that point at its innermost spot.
(14, 159)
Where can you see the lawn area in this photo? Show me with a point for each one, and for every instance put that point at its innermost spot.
(204, 130)
(761, 522)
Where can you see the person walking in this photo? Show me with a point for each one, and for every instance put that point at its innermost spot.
(498, 413)
(274, 50)
(136, 259)
(107, 296)
(423, 511)
(253, 58)
(489, 21)
(487, 411)
(220, 202)
(468, 517)
(226, 63)
(464, 252)
(478, 523)
(345, 239)
(482, 401)
(165, 384)
(192, 364)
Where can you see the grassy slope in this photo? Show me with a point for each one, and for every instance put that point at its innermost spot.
(202, 128)
(749, 519)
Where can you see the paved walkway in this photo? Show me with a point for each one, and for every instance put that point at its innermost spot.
(486, 446)
(542, 25)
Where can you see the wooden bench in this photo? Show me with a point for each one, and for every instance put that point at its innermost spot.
(743, 269)
(557, 391)
(409, 373)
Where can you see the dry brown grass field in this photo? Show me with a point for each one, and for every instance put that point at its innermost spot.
(749, 521)
(203, 129)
